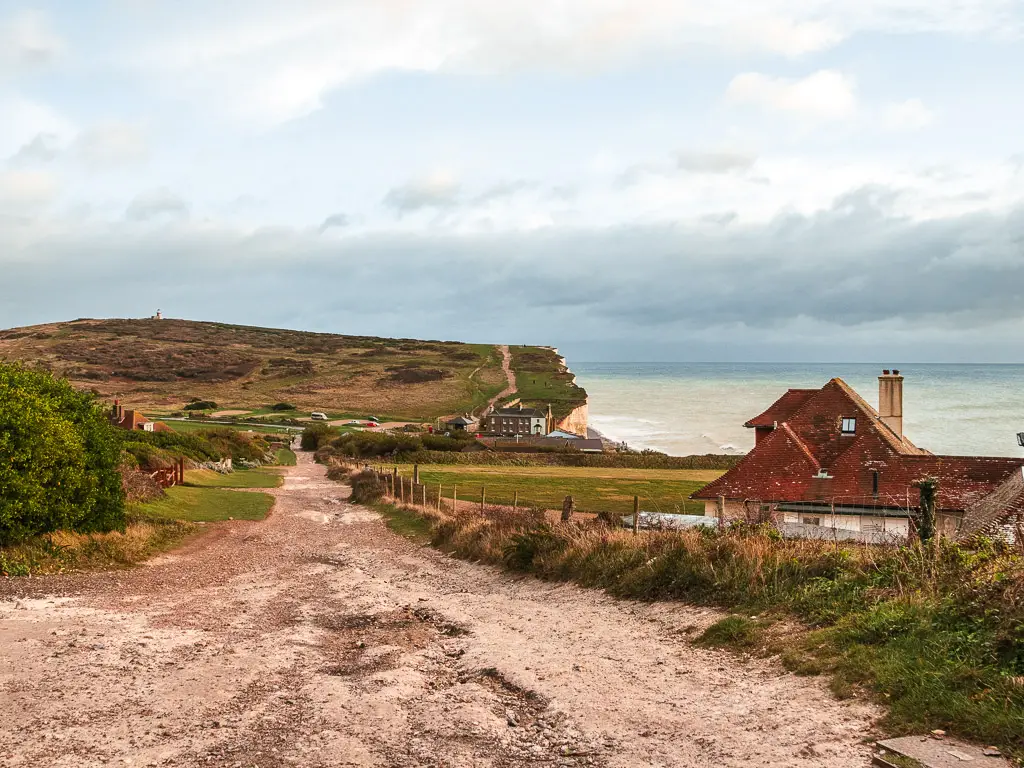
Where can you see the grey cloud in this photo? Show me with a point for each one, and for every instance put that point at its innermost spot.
(840, 270)
(434, 192)
(334, 220)
(157, 202)
(505, 189)
(27, 43)
(42, 149)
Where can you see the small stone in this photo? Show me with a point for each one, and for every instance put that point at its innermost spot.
(992, 752)
(938, 733)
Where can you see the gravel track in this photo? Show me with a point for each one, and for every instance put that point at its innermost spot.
(319, 638)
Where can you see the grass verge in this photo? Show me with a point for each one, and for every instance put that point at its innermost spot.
(594, 489)
(240, 478)
(405, 522)
(207, 505)
(62, 551)
(286, 457)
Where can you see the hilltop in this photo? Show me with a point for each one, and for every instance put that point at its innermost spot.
(163, 364)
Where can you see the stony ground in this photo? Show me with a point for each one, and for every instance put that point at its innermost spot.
(319, 638)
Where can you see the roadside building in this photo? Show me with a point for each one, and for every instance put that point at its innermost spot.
(462, 424)
(826, 458)
(126, 418)
(517, 420)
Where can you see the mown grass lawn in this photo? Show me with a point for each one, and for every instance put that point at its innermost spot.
(286, 458)
(263, 477)
(207, 505)
(593, 489)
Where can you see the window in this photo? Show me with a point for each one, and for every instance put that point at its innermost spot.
(849, 426)
(808, 520)
(874, 482)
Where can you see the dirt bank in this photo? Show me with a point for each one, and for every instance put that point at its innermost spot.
(319, 638)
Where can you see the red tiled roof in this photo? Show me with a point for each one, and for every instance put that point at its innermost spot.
(782, 408)
(783, 465)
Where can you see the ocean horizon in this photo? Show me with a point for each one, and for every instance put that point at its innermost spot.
(696, 408)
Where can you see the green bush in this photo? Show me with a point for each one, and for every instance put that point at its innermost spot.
(282, 407)
(315, 436)
(59, 458)
(366, 488)
(201, 405)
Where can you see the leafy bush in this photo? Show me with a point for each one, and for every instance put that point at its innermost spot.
(59, 458)
(155, 450)
(282, 407)
(201, 405)
(315, 436)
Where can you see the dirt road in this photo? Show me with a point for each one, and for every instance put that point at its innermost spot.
(319, 638)
(510, 377)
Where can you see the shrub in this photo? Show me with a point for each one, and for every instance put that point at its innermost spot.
(201, 405)
(59, 458)
(282, 407)
(366, 488)
(315, 436)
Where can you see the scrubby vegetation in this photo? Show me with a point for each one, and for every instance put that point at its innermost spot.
(542, 379)
(315, 436)
(156, 450)
(201, 405)
(59, 459)
(161, 365)
(934, 631)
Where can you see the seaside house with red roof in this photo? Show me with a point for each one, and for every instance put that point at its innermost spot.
(825, 457)
(126, 418)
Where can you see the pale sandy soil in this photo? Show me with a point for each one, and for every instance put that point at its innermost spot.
(319, 638)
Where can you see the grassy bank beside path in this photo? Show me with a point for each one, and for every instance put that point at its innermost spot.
(594, 489)
(207, 505)
(263, 477)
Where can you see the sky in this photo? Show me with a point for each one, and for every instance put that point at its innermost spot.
(762, 180)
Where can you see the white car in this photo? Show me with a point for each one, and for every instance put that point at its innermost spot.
(318, 416)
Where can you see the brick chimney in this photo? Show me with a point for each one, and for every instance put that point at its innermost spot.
(890, 400)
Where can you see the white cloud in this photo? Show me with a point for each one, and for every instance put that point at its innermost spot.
(155, 203)
(273, 64)
(23, 119)
(27, 43)
(824, 95)
(910, 115)
(112, 145)
(21, 189)
(42, 149)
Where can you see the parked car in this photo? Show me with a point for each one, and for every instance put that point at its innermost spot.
(318, 416)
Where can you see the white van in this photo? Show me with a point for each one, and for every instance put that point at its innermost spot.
(318, 416)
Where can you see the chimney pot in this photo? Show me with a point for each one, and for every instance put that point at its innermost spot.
(895, 372)
(885, 372)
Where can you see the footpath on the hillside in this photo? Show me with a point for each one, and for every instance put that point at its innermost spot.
(320, 638)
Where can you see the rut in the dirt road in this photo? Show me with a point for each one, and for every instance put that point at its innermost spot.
(319, 638)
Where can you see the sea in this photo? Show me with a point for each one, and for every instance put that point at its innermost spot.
(695, 408)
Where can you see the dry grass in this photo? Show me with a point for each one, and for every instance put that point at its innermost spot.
(64, 551)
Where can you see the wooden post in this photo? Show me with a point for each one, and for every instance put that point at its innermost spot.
(483, 497)
(721, 512)
(567, 509)
(415, 474)
(439, 497)
(455, 499)
(515, 501)
(424, 487)
(401, 481)
(636, 515)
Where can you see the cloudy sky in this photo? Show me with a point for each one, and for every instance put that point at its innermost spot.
(624, 179)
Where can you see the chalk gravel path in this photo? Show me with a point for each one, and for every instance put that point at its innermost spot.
(319, 638)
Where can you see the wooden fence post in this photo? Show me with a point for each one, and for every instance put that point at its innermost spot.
(483, 497)
(455, 499)
(567, 509)
(515, 501)
(415, 474)
(401, 481)
(636, 515)
(439, 487)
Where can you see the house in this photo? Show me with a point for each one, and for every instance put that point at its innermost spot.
(517, 420)
(462, 424)
(825, 457)
(126, 418)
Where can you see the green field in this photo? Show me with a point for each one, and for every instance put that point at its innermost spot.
(593, 489)
(264, 477)
(285, 457)
(207, 505)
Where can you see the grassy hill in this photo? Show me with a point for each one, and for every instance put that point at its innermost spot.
(160, 365)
